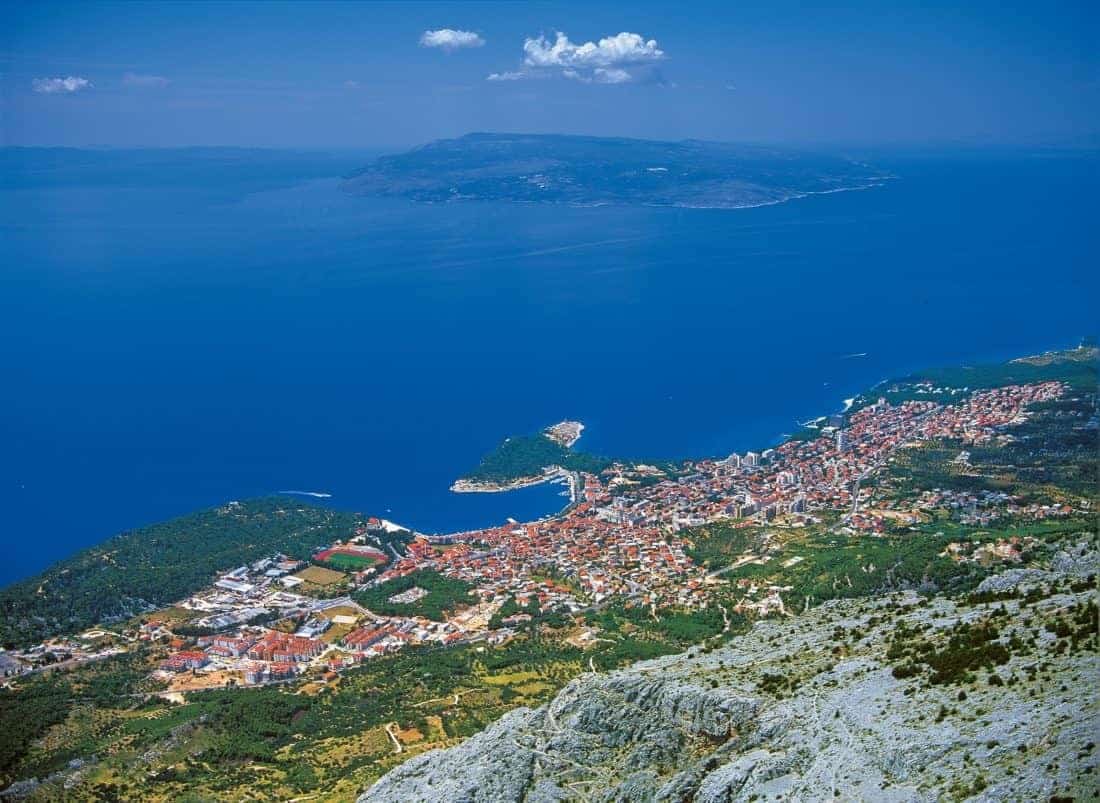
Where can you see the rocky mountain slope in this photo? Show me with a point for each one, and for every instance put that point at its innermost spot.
(898, 698)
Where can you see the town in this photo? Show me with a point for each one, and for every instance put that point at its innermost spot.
(625, 537)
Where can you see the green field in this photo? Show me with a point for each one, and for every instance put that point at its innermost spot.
(350, 563)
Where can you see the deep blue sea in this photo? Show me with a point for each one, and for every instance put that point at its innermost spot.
(174, 335)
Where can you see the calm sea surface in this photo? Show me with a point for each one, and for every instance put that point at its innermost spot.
(177, 339)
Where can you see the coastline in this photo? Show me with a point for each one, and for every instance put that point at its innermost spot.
(550, 474)
(552, 507)
(879, 181)
(556, 473)
(567, 433)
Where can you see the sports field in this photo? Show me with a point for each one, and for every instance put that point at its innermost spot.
(319, 576)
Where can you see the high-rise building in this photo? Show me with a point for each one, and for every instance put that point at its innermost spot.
(751, 459)
(841, 440)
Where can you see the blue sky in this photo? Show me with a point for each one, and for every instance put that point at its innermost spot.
(349, 75)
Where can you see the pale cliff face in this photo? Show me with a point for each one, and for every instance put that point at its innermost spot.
(810, 709)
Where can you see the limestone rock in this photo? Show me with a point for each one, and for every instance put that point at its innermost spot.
(702, 727)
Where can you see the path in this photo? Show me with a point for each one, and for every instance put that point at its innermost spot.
(397, 748)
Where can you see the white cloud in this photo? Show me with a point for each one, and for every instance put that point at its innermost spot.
(59, 86)
(349, 84)
(449, 39)
(600, 75)
(612, 75)
(620, 50)
(602, 62)
(150, 81)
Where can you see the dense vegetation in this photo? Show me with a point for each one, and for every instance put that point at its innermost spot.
(836, 566)
(444, 595)
(1053, 450)
(1076, 367)
(719, 543)
(47, 700)
(527, 456)
(680, 629)
(161, 563)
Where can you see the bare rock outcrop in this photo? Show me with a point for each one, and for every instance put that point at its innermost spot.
(794, 711)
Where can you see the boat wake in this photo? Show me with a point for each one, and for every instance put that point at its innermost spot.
(314, 494)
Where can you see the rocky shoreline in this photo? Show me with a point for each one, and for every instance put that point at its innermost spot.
(565, 433)
(550, 474)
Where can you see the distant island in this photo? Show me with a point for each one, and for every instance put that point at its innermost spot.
(558, 169)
